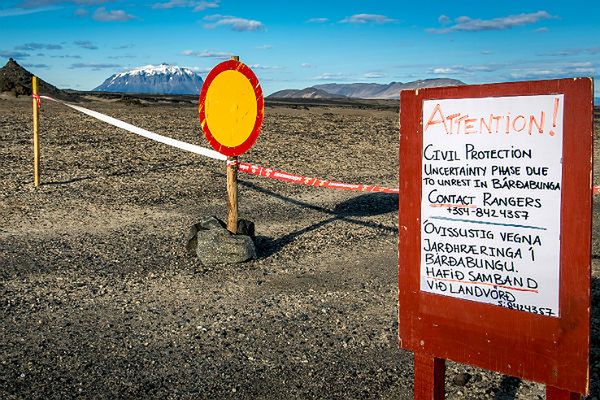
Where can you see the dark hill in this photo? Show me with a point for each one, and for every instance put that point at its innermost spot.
(16, 79)
(308, 93)
(381, 91)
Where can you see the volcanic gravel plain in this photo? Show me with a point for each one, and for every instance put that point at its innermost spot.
(100, 300)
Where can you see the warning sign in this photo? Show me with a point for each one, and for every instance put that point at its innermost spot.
(490, 200)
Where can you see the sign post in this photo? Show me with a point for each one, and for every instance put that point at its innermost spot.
(495, 218)
(232, 187)
(36, 132)
(231, 111)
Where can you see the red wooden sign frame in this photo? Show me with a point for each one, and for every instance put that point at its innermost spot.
(550, 350)
(232, 65)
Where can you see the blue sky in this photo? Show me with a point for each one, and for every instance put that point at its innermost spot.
(79, 43)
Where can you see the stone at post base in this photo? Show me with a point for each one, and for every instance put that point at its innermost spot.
(214, 244)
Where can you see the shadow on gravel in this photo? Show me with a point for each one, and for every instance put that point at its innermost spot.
(508, 388)
(365, 205)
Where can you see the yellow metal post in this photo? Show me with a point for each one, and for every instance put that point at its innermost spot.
(36, 133)
(232, 188)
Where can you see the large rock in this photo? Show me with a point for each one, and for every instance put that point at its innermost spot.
(214, 244)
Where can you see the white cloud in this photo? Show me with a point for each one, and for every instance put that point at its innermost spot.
(260, 66)
(373, 75)
(444, 19)
(554, 71)
(445, 71)
(235, 23)
(13, 54)
(319, 20)
(200, 70)
(194, 4)
(465, 69)
(36, 66)
(44, 3)
(306, 65)
(104, 15)
(203, 5)
(13, 12)
(573, 52)
(207, 54)
(85, 44)
(94, 66)
(39, 46)
(264, 47)
(367, 18)
(468, 24)
(330, 76)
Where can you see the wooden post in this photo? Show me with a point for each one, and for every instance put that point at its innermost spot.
(554, 393)
(232, 194)
(429, 378)
(232, 188)
(36, 133)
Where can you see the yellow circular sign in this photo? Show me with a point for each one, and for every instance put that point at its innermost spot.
(231, 108)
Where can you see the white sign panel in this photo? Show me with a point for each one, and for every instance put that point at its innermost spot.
(490, 201)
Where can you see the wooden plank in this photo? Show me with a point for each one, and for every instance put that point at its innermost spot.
(553, 393)
(232, 194)
(430, 373)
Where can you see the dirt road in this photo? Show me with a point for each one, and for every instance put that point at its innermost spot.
(101, 300)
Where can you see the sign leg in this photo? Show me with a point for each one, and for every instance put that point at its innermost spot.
(232, 194)
(429, 377)
(554, 393)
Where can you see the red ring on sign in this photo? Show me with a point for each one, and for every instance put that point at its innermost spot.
(260, 108)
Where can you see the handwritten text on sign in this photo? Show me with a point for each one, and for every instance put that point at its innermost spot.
(490, 205)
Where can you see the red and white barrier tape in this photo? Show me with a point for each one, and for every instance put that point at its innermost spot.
(203, 151)
(309, 181)
(36, 97)
(244, 167)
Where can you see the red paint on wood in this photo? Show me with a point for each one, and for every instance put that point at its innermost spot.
(430, 373)
(553, 351)
(553, 393)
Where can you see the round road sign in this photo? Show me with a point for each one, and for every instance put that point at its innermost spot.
(231, 108)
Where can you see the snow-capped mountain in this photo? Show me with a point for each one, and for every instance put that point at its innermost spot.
(155, 79)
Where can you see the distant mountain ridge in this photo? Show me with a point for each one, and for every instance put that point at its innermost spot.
(151, 79)
(308, 93)
(366, 90)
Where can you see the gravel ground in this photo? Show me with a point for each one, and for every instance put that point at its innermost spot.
(99, 298)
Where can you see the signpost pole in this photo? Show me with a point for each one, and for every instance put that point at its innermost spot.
(232, 188)
(429, 377)
(36, 133)
(231, 111)
(232, 194)
(554, 393)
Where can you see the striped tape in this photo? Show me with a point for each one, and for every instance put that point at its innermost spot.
(244, 167)
(309, 181)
